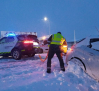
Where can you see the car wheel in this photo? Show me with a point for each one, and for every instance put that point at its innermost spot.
(16, 54)
(33, 54)
(79, 63)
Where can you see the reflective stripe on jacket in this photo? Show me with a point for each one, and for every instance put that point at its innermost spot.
(57, 39)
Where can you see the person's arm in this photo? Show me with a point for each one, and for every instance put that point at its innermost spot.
(49, 39)
(65, 43)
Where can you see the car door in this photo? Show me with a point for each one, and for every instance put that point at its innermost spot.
(95, 54)
(10, 44)
(91, 55)
(89, 60)
(2, 43)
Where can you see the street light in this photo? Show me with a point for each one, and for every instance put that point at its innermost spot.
(46, 19)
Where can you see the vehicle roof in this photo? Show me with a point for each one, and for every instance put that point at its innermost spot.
(93, 36)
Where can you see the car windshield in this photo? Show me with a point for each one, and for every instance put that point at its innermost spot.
(33, 37)
(81, 40)
(28, 37)
(21, 37)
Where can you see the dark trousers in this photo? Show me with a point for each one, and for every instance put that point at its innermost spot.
(52, 50)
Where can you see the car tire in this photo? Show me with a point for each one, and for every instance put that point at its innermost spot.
(16, 54)
(79, 63)
(33, 54)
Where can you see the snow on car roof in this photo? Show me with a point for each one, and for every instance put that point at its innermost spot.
(93, 36)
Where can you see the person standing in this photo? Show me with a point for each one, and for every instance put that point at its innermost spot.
(55, 41)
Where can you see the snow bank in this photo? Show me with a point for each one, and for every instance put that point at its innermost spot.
(29, 74)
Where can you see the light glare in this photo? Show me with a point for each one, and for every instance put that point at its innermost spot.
(35, 43)
(43, 37)
(45, 18)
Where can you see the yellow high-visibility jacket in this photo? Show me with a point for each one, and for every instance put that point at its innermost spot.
(57, 39)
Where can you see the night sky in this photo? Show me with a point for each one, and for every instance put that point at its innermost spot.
(63, 15)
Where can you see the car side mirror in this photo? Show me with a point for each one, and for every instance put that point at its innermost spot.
(89, 46)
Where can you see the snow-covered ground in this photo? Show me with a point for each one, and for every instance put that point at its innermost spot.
(29, 74)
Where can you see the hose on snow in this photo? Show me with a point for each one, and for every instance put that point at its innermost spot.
(43, 59)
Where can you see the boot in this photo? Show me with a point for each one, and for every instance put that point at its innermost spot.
(63, 69)
(48, 70)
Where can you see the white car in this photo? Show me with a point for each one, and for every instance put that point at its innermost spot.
(86, 55)
(44, 45)
(16, 46)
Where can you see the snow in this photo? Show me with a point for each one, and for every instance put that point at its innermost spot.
(29, 74)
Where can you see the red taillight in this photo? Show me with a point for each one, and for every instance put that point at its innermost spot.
(28, 41)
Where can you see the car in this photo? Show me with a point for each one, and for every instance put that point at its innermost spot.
(86, 54)
(16, 46)
(44, 45)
